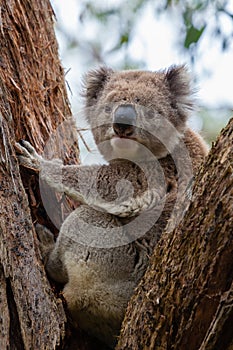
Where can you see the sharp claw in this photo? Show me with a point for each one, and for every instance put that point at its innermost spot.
(18, 147)
(27, 155)
(28, 147)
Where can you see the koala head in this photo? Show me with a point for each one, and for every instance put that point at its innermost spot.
(134, 114)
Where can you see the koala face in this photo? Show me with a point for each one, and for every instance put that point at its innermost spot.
(137, 114)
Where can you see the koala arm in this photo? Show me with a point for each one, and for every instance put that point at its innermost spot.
(79, 183)
(60, 177)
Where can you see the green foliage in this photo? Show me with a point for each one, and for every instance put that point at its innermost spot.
(213, 120)
(106, 30)
(201, 11)
(193, 35)
(118, 20)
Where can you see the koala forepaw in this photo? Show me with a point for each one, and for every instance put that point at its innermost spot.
(27, 155)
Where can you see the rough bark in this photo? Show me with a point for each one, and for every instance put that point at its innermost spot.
(5, 316)
(25, 289)
(185, 300)
(33, 101)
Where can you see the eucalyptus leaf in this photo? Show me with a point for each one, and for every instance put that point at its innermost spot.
(193, 35)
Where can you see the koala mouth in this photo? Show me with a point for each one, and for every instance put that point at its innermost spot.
(122, 137)
(124, 142)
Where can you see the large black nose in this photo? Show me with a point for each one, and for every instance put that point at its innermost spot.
(124, 120)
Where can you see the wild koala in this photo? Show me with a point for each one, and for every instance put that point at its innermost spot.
(138, 120)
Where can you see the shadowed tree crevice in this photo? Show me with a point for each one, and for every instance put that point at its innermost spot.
(16, 341)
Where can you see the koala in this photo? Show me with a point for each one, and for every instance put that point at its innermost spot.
(139, 123)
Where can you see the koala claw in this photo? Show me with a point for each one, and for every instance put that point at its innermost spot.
(27, 156)
(117, 210)
(132, 206)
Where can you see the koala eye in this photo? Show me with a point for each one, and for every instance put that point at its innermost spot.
(137, 99)
(107, 109)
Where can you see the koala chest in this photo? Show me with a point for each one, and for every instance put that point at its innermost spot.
(121, 180)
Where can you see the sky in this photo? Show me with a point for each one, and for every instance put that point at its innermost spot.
(153, 36)
(154, 41)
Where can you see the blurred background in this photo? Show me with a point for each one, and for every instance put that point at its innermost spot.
(151, 35)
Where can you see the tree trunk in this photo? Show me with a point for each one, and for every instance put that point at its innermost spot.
(31, 316)
(185, 300)
(33, 102)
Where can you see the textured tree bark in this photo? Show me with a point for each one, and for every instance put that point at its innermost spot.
(185, 300)
(5, 316)
(33, 102)
(32, 317)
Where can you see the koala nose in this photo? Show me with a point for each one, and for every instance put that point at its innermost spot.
(124, 120)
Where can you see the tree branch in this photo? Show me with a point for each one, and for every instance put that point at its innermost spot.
(185, 299)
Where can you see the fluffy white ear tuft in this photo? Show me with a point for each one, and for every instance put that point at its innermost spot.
(178, 79)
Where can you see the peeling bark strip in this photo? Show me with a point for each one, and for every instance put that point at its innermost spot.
(185, 300)
(31, 70)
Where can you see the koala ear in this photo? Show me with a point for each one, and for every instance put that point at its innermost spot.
(94, 82)
(178, 80)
